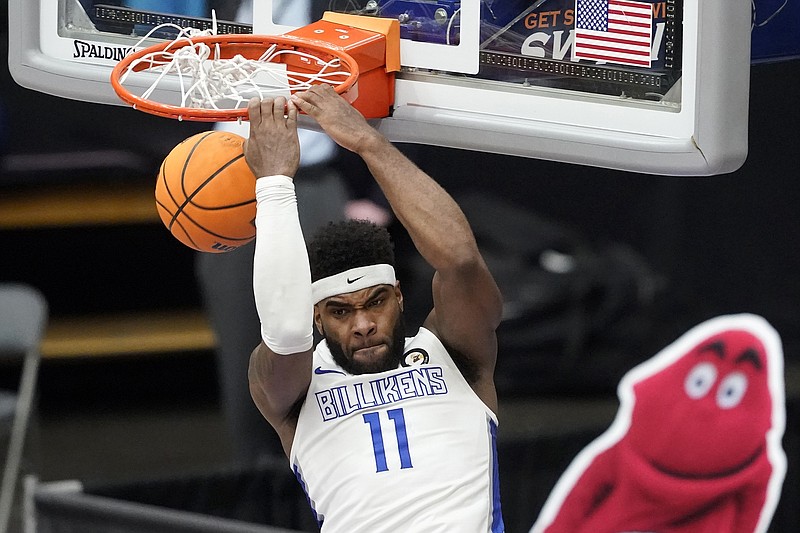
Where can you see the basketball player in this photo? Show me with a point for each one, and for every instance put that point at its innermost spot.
(385, 433)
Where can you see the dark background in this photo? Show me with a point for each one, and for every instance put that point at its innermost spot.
(705, 246)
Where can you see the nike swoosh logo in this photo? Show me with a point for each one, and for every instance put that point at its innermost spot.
(320, 371)
(354, 279)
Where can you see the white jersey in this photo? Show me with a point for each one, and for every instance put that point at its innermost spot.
(407, 450)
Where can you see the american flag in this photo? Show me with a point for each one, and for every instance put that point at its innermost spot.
(615, 31)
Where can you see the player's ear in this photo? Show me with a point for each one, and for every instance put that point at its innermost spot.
(398, 293)
(318, 320)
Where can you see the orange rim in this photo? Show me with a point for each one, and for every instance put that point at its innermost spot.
(243, 44)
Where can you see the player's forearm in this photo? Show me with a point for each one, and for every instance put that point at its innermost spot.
(281, 274)
(434, 221)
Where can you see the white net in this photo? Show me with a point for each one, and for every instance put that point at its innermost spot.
(206, 80)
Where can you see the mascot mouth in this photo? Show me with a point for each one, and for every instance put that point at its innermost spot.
(711, 475)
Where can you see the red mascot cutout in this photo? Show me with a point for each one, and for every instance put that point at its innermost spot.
(696, 443)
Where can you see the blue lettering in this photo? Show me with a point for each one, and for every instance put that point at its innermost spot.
(422, 382)
(438, 384)
(388, 389)
(347, 406)
(327, 407)
(363, 400)
(347, 399)
(406, 386)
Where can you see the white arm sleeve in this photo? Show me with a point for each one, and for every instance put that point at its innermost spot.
(281, 274)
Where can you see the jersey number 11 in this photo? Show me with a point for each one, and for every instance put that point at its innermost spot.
(396, 416)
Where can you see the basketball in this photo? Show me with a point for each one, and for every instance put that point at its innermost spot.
(205, 193)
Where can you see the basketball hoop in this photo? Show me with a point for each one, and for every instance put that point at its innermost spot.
(218, 74)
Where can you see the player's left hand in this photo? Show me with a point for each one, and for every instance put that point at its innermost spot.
(340, 120)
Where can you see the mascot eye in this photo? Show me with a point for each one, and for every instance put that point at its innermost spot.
(731, 390)
(700, 380)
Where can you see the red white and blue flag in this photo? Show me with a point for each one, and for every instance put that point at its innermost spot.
(614, 31)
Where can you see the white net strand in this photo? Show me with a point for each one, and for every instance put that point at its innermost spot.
(206, 82)
(164, 61)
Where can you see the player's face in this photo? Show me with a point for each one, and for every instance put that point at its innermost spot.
(364, 329)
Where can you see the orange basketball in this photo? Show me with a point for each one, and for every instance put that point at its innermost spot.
(205, 193)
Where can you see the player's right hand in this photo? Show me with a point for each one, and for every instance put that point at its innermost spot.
(273, 147)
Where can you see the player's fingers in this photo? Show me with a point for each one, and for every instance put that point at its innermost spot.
(278, 109)
(291, 113)
(313, 101)
(254, 111)
(325, 89)
(319, 93)
(300, 99)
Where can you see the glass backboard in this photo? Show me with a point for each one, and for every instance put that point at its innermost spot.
(652, 86)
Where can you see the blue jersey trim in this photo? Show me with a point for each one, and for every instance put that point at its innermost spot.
(497, 514)
(299, 476)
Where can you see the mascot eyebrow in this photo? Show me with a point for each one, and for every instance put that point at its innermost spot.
(748, 356)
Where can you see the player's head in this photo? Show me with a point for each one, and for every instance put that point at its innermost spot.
(358, 304)
(340, 246)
